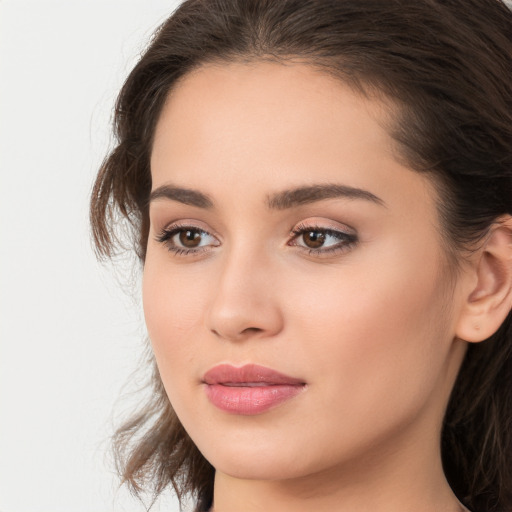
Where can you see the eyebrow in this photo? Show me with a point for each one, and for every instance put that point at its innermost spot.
(313, 193)
(182, 195)
(278, 201)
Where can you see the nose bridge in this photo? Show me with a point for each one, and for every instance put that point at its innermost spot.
(243, 302)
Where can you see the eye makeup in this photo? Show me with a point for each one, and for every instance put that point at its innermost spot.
(321, 241)
(316, 240)
(184, 239)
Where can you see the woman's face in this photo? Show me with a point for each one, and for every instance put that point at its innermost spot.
(286, 234)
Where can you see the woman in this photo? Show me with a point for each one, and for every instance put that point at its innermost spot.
(320, 194)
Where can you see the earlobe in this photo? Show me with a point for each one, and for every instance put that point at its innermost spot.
(490, 299)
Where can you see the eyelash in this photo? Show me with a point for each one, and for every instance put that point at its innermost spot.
(167, 234)
(346, 240)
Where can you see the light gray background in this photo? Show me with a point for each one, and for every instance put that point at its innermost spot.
(69, 337)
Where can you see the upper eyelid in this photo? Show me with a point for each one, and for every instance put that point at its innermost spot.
(171, 230)
(297, 232)
(324, 226)
(294, 232)
(190, 224)
(301, 226)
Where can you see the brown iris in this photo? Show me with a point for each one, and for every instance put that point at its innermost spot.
(314, 239)
(189, 238)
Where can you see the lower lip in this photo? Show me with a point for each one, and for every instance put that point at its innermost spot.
(247, 400)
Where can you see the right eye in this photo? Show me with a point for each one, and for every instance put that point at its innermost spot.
(183, 240)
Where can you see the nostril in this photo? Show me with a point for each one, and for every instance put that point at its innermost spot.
(251, 330)
(238, 335)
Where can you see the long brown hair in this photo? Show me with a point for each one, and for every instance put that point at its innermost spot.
(447, 66)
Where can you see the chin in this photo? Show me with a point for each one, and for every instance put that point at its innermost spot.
(258, 467)
(258, 456)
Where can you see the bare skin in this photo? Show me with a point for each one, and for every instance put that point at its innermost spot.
(348, 294)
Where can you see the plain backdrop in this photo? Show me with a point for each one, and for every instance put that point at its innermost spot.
(71, 330)
(70, 337)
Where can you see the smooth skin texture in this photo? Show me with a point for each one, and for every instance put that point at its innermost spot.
(367, 318)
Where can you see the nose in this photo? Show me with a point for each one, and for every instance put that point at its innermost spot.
(244, 303)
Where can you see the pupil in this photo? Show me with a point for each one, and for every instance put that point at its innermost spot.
(190, 238)
(314, 239)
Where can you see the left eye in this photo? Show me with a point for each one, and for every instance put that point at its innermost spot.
(184, 239)
(322, 239)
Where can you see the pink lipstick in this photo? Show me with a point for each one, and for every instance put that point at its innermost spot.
(250, 389)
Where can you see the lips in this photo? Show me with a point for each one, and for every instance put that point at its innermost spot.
(250, 389)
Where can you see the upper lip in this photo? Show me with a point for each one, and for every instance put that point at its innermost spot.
(248, 374)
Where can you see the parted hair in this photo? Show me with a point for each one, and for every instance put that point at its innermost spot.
(446, 66)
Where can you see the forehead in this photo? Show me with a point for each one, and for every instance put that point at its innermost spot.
(263, 103)
(274, 125)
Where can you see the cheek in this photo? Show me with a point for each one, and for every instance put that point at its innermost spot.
(379, 333)
(173, 307)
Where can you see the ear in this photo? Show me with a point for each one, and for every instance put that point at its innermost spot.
(489, 299)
